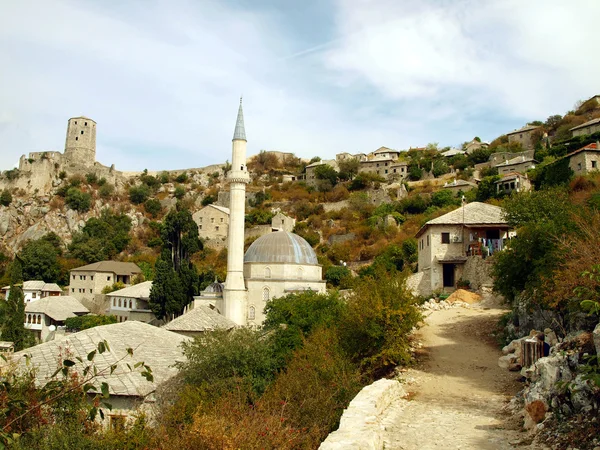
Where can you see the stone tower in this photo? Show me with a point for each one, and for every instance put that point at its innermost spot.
(235, 295)
(80, 146)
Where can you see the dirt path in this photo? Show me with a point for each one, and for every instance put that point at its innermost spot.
(457, 391)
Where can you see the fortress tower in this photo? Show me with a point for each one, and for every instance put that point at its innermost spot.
(235, 295)
(80, 145)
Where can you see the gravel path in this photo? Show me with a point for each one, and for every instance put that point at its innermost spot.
(457, 392)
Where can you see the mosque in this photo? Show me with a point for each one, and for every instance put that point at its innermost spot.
(276, 264)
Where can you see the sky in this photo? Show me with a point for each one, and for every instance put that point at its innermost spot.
(162, 79)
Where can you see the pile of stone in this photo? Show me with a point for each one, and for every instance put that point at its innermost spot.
(557, 383)
(434, 305)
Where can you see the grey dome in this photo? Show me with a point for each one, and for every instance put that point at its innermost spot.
(214, 288)
(281, 247)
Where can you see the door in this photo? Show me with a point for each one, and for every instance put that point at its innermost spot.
(448, 271)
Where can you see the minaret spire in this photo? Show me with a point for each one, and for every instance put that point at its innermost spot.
(240, 132)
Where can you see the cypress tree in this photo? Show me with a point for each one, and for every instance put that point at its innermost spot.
(14, 325)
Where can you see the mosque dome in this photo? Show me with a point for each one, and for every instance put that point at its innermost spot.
(281, 247)
(214, 288)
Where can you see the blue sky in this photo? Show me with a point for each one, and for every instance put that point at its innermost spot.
(162, 78)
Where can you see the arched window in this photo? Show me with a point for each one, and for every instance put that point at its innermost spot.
(119, 303)
(251, 313)
(266, 294)
(267, 272)
(28, 318)
(39, 319)
(300, 273)
(129, 303)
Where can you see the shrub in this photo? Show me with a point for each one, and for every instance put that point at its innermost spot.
(259, 217)
(79, 323)
(115, 287)
(488, 172)
(164, 177)
(153, 207)
(338, 276)
(207, 200)
(179, 192)
(182, 177)
(91, 178)
(78, 200)
(139, 194)
(5, 198)
(106, 190)
(12, 174)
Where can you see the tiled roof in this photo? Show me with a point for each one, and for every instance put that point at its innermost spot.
(474, 213)
(587, 124)
(517, 160)
(120, 268)
(201, 318)
(140, 290)
(156, 347)
(36, 285)
(58, 308)
(594, 146)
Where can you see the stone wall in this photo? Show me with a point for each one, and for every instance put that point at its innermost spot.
(478, 271)
(361, 424)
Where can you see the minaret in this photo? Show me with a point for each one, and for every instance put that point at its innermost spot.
(235, 293)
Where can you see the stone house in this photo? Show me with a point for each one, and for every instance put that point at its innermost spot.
(34, 290)
(129, 392)
(213, 222)
(131, 303)
(475, 145)
(45, 315)
(281, 222)
(590, 127)
(445, 244)
(311, 178)
(384, 152)
(381, 166)
(519, 164)
(585, 160)
(453, 152)
(457, 186)
(513, 182)
(523, 136)
(88, 281)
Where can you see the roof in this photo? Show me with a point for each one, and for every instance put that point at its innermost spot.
(586, 124)
(510, 176)
(524, 129)
(240, 132)
(593, 147)
(59, 308)
(475, 213)
(156, 347)
(455, 183)
(82, 117)
(117, 267)
(385, 150)
(140, 290)
(453, 152)
(35, 285)
(201, 318)
(220, 208)
(281, 247)
(331, 162)
(518, 160)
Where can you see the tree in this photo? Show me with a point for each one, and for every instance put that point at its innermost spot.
(440, 168)
(80, 323)
(5, 198)
(552, 122)
(338, 275)
(444, 197)
(167, 296)
(415, 173)
(153, 207)
(139, 194)
(13, 311)
(327, 177)
(78, 200)
(487, 188)
(348, 168)
(40, 261)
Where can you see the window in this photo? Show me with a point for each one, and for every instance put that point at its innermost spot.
(266, 294)
(33, 295)
(386, 164)
(72, 289)
(28, 318)
(402, 169)
(84, 277)
(593, 164)
(221, 220)
(119, 303)
(427, 240)
(445, 238)
(578, 166)
(114, 302)
(39, 319)
(92, 277)
(81, 131)
(200, 219)
(217, 228)
(108, 278)
(386, 171)
(73, 276)
(267, 272)
(129, 303)
(251, 313)
(199, 227)
(85, 123)
(91, 291)
(76, 138)
(212, 220)
(117, 422)
(75, 122)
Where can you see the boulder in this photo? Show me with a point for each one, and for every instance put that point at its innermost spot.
(535, 412)
(508, 361)
(596, 335)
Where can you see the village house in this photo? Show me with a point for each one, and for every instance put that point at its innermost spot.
(519, 164)
(129, 392)
(475, 145)
(445, 243)
(88, 281)
(523, 136)
(589, 127)
(131, 303)
(453, 152)
(585, 159)
(457, 186)
(199, 320)
(44, 316)
(34, 290)
(384, 152)
(281, 222)
(398, 170)
(310, 176)
(379, 165)
(213, 222)
(513, 182)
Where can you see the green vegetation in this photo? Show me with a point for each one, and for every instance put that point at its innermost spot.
(12, 312)
(75, 324)
(139, 194)
(78, 200)
(5, 197)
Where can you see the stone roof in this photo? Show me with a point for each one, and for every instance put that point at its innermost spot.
(35, 285)
(593, 147)
(510, 176)
(587, 124)
(281, 247)
(455, 183)
(117, 267)
(474, 213)
(156, 347)
(330, 162)
(220, 208)
(59, 307)
(453, 152)
(140, 290)
(524, 129)
(385, 150)
(518, 160)
(201, 318)
(240, 131)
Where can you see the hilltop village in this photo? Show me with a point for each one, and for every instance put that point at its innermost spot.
(151, 260)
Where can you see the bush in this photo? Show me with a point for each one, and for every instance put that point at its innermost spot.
(106, 190)
(115, 287)
(338, 276)
(79, 323)
(139, 194)
(259, 217)
(153, 207)
(207, 200)
(488, 172)
(5, 198)
(78, 200)
(179, 192)
(91, 178)
(182, 177)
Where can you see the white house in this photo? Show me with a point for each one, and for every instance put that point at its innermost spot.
(34, 290)
(43, 316)
(131, 303)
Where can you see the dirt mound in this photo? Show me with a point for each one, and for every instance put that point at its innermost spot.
(460, 295)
